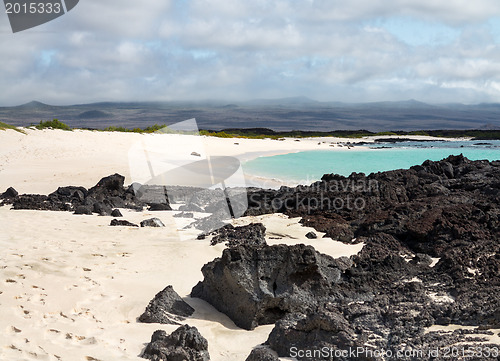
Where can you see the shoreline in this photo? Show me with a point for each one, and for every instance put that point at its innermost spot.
(36, 160)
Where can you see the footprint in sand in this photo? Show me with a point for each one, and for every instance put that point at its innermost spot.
(14, 330)
(94, 283)
(23, 312)
(71, 287)
(85, 312)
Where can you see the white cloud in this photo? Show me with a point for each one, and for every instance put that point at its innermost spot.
(325, 49)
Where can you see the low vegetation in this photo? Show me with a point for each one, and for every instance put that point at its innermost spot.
(4, 126)
(150, 129)
(53, 124)
(263, 133)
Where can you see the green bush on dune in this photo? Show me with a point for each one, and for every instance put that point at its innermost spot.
(4, 126)
(150, 129)
(53, 124)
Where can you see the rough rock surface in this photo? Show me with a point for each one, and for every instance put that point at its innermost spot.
(251, 234)
(166, 307)
(107, 194)
(184, 344)
(184, 215)
(262, 354)
(311, 235)
(9, 193)
(122, 222)
(152, 222)
(317, 330)
(392, 290)
(116, 213)
(86, 210)
(159, 207)
(259, 285)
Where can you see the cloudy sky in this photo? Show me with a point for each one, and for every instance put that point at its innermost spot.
(329, 50)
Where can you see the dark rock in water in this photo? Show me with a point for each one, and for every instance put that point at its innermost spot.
(102, 209)
(159, 207)
(252, 234)
(184, 344)
(152, 222)
(262, 354)
(167, 307)
(184, 215)
(116, 213)
(83, 210)
(259, 285)
(311, 235)
(314, 332)
(9, 193)
(120, 222)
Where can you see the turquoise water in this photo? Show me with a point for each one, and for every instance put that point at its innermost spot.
(311, 165)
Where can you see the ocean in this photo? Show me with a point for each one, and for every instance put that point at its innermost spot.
(309, 166)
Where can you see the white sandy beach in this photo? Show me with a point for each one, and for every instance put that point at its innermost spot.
(42, 160)
(72, 287)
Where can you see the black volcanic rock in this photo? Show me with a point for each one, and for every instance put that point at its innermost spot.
(122, 222)
(184, 344)
(102, 209)
(311, 235)
(83, 210)
(315, 332)
(215, 221)
(116, 213)
(9, 193)
(152, 222)
(191, 207)
(107, 194)
(167, 307)
(252, 234)
(159, 207)
(262, 354)
(447, 209)
(184, 215)
(38, 202)
(69, 194)
(259, 285)
(111, 185)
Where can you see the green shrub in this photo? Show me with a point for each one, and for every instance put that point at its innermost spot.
(386, 133)
(4, 126)
(53, 124)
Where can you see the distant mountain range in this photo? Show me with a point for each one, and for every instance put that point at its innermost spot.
(296, 113)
